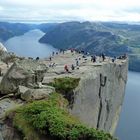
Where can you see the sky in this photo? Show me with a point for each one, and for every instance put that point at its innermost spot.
(70, 10)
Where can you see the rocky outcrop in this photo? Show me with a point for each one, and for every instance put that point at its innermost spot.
(88, 36)
(100, 94)
(23, 72)
(5, 105)
(37, 94)
(97, 99)
(7, 132)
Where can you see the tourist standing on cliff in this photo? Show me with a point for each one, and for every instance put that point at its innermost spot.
(103, 56)
(50, 58)
(94, 58)
(72, 67)
(77, 62)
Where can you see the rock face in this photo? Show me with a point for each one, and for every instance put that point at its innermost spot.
(87, 36)
(7, 132)
(5, 105)
(23, 72)
(100, 94)
(37, 94)
(97, 100)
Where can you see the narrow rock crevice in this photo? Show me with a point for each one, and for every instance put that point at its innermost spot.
(102, 84)
(100, 107)
(107, 111)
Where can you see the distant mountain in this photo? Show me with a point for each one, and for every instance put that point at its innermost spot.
(94, 37)
(90, 37)
(45, 27)
(8, 30)
(131, 37)
(111, 38)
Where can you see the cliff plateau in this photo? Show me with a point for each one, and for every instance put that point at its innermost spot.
(99, 95)
(96, 99)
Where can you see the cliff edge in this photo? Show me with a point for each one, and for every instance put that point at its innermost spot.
(99, 95)
(94, 90)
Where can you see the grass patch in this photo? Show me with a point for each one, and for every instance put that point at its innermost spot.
(51, 118)
(65, 86)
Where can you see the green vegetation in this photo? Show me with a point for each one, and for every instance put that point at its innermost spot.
(51, 118)
(65, 86)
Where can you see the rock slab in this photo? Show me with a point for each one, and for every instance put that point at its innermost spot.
(23, 72)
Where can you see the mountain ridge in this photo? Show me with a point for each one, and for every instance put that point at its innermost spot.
(113, 39)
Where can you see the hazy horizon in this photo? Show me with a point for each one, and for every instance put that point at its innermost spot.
(37, 22)
(69, 10)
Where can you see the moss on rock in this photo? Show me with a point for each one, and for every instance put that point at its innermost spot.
(51, 118)
(65, 86)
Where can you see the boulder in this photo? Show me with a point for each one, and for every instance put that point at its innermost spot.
(37, 94)
(8, 132)
(23, 72)
(5, 105)
(21, 90)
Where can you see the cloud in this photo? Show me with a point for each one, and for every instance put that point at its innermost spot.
(64, 10)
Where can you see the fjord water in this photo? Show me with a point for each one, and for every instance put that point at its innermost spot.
(129, 124)
(27, 45)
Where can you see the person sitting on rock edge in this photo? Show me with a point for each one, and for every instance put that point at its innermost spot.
(37, 58)
(66, 68)
(77, 62)
(113, 59)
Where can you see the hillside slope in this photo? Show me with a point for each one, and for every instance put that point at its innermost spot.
(110, 38)
(8, 30)
(91, 37)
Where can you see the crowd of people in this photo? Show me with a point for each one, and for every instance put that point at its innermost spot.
(84, 55)
(82, 59)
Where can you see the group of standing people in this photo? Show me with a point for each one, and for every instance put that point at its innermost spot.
(76, 66)
(94, 57)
